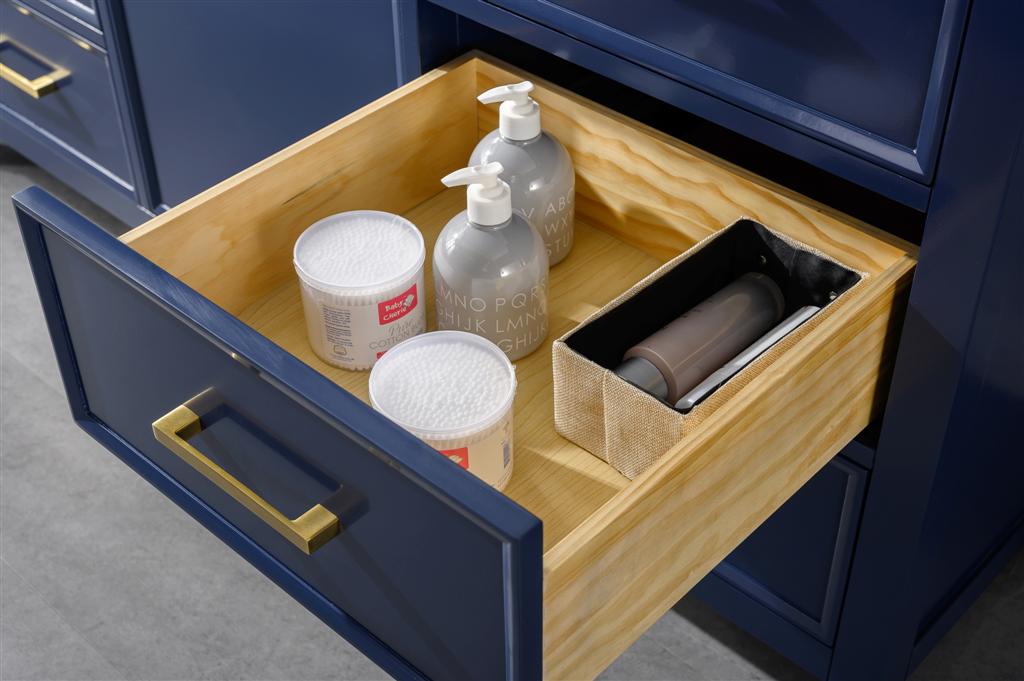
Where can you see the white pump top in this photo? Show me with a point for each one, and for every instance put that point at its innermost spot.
(519, 115)
(488, 198)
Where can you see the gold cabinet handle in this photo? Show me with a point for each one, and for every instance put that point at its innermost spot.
(34, 87)
(309, 531)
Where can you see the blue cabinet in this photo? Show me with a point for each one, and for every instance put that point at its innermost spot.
(80, 114)
(871, 78)
(222, 86)
(167, 98)
(815, 530)
(785, 583)
(859, 90)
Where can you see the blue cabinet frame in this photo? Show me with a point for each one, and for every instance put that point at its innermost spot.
(952, 433)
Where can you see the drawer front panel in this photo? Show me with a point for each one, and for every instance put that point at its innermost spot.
(437, 581)
(78, 16)
(872, 78)
(80, 113)
(813, 533)
(82, 10)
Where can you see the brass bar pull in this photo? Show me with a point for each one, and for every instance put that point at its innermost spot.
(309, 531)
(34, 87)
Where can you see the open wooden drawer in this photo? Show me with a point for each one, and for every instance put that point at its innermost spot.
(429, 571)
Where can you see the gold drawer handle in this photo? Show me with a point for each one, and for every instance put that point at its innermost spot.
(309, 531)
(34, 87)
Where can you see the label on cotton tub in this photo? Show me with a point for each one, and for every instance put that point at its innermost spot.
(357, 335)
(490, 459)
(361, 275)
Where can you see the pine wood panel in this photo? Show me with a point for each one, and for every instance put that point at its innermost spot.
(390, 155)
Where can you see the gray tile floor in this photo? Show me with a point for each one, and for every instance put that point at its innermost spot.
(103, 578)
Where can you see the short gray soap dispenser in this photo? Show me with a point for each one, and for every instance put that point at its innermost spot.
(537, 167)
(491, 267)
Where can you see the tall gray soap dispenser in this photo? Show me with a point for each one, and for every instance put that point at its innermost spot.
(538, 169)
(491, 267)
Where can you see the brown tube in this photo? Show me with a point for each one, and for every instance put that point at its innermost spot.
(671, 361)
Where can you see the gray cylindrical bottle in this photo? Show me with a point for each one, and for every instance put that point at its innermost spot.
(671, 361)
(491, 268)
(537, 168)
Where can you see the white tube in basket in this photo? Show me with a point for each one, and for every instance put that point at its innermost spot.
(361, 276)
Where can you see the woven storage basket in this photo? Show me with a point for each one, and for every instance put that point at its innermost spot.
(627, 427)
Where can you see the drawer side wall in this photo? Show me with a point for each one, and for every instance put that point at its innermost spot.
(686, 513)
(233, 242)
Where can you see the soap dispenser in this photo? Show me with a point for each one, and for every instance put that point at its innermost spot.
(538, 169)
(491, 267)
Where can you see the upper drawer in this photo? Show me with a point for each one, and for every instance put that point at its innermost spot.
(193, 324)
(871, 77)
(78, 112)
(79, 16)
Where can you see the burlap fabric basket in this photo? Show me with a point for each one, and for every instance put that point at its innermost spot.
(624, 425)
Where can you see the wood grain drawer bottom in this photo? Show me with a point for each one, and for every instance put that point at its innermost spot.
(615, 554)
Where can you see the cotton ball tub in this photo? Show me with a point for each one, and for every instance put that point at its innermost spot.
(453, 390)
(361, 276)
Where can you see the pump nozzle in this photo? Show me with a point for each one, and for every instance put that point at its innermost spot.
(517, 92)
(519, 117)
(488, 198)
(486, 174)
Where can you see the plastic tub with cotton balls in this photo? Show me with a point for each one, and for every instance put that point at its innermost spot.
(361, 275)
(453, 390)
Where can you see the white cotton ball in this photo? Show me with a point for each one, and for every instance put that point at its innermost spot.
(360, 248)
(444, 385)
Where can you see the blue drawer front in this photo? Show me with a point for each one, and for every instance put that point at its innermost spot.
(81, 115)
(795, 564)
(82, 10)
(79, 16)
(872, 77)
(433, 573)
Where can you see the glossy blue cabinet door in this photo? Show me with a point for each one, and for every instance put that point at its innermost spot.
(80, 117)
(433, 574)
(225, 84)
(785, 583)
(871, 77)
(815, 529)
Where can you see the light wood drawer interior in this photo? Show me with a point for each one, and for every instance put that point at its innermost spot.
(618, 553)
